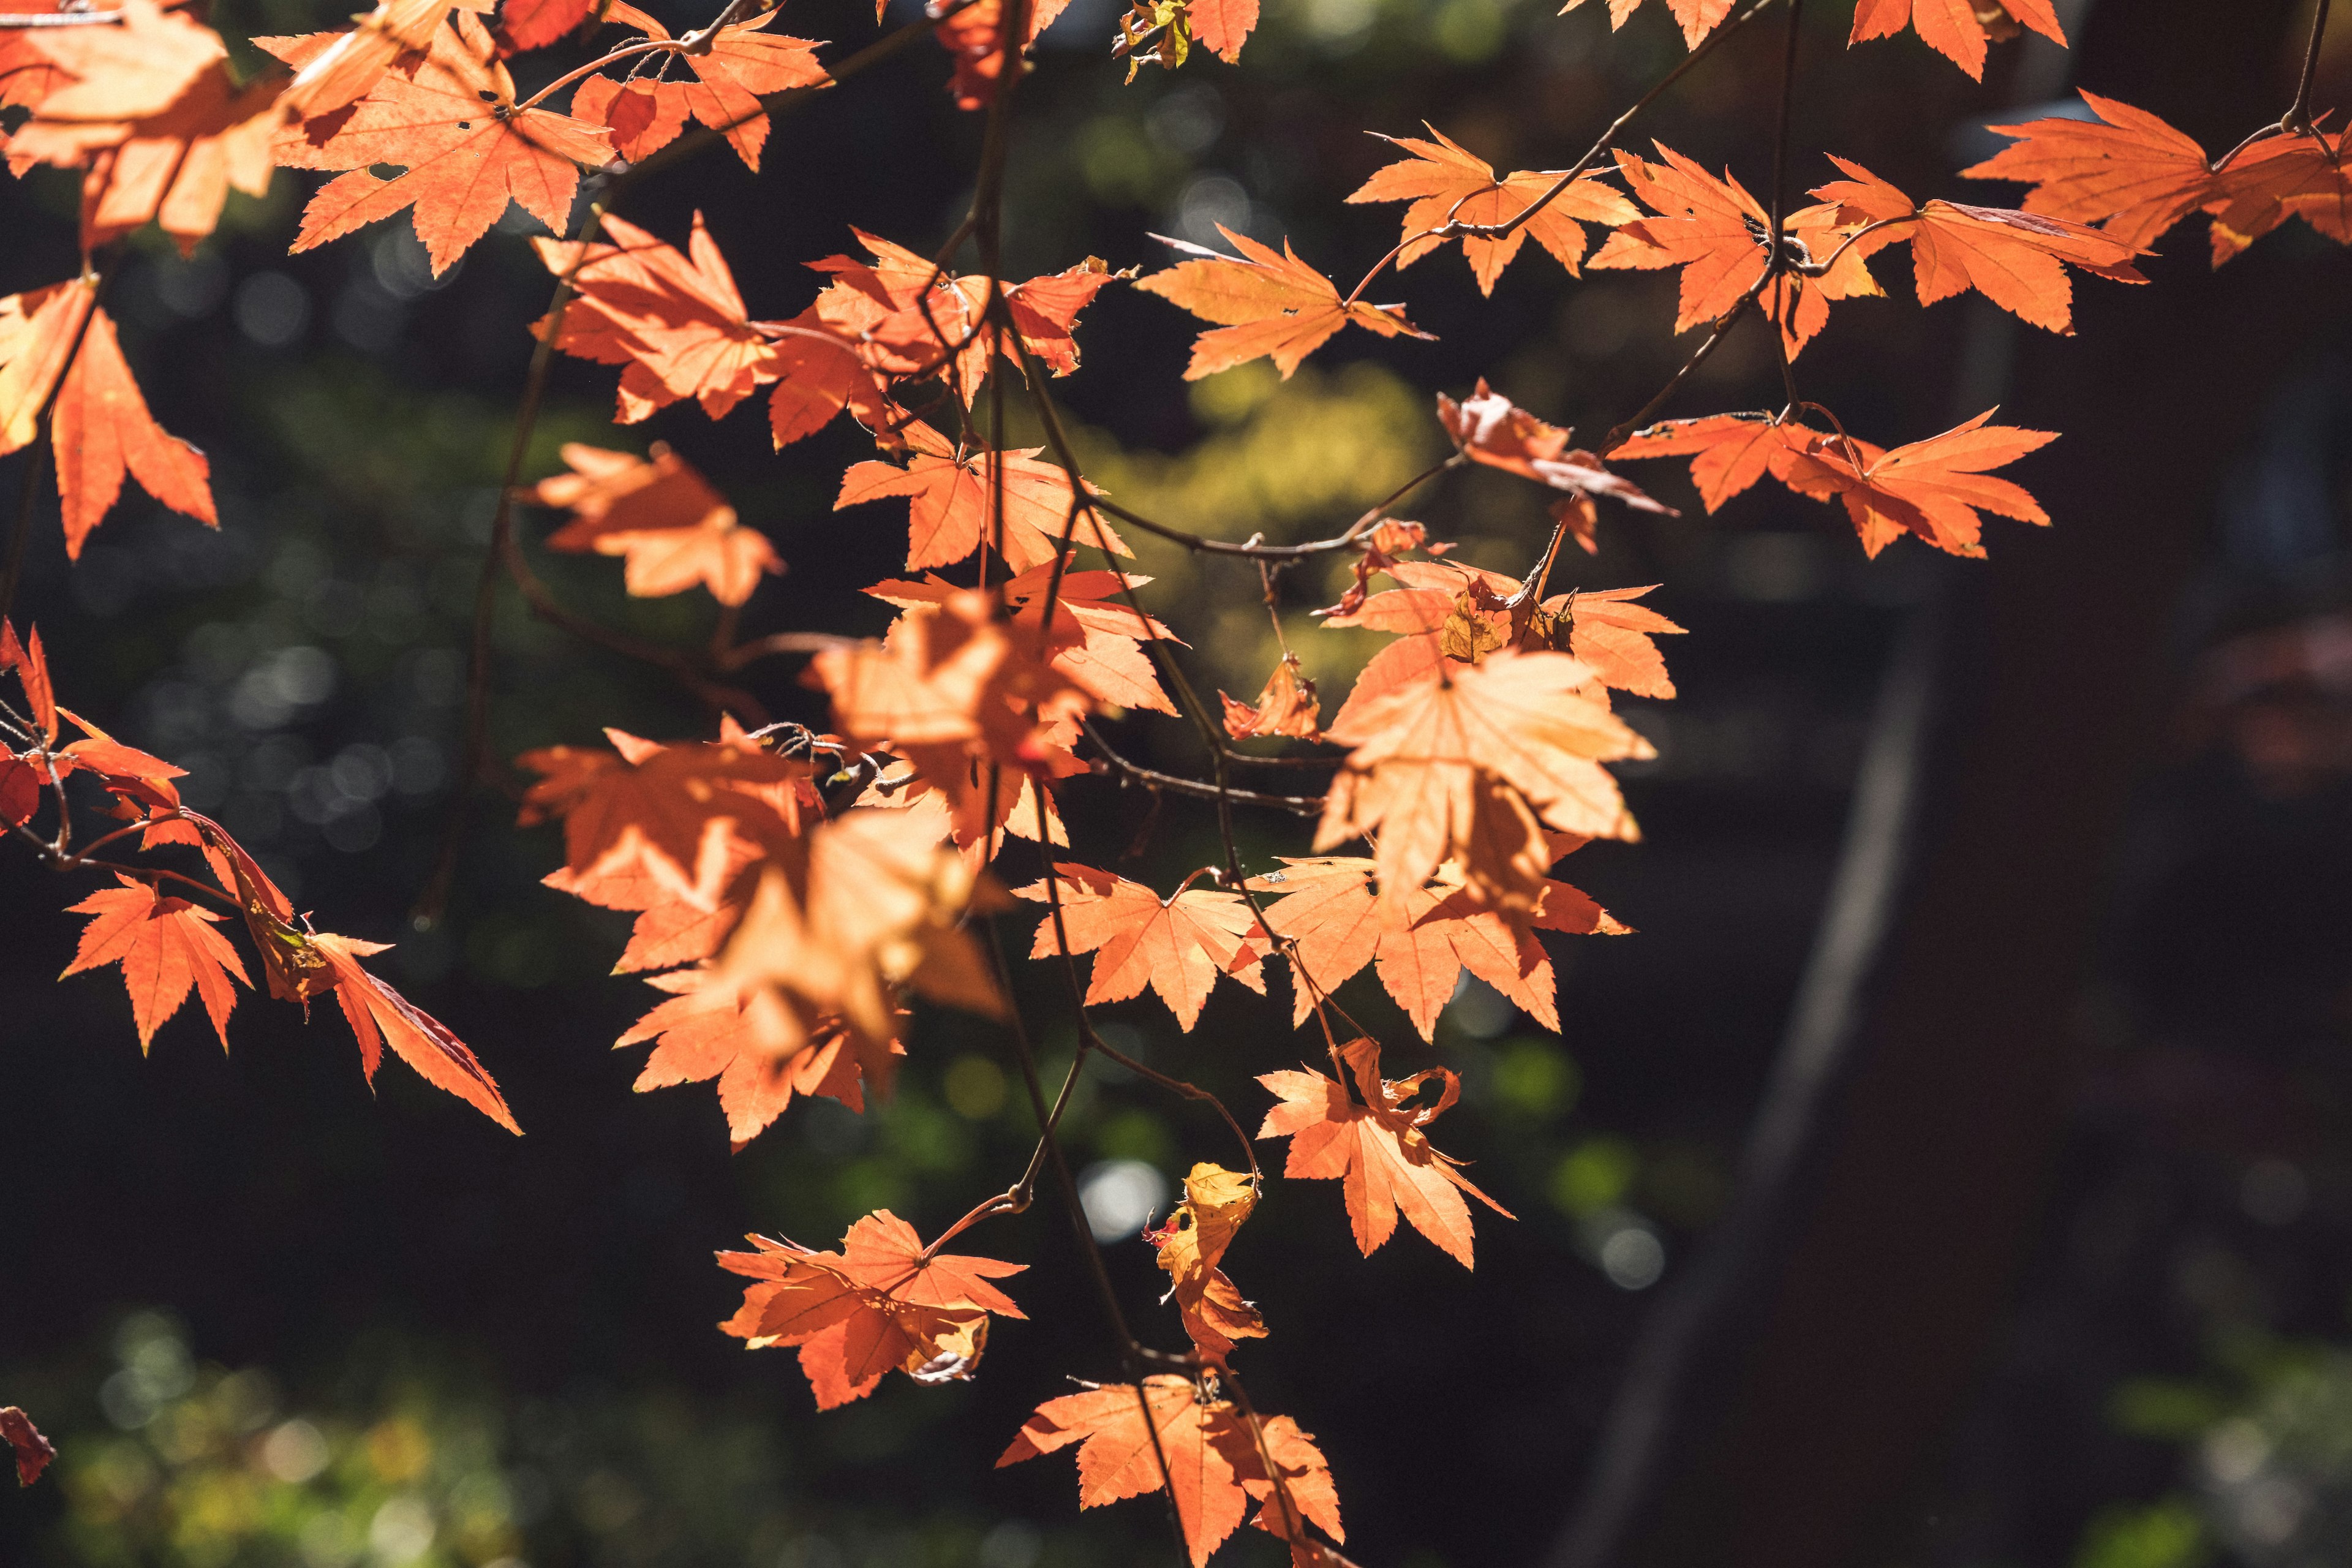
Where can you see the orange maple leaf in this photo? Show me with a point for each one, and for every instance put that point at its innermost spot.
(334, 70)
(100, 428)
(155, 138)
(882, 1301)
(450, 121)
(1265, 302)
(2127, 172)
(951, 492)
(861, 906)
(1221, 27)
(33, 1451)
(26, 73)
(1213, 1463)
(705, 1031)
(166, 946)
(1935, 489)
(1470, 764)
(2016, 260)
(535, 24)
(1718, 234)
(1191, 1245)
(1421, 937)
(671, 528)
(653, 806)
(1446, 182)
(1488, 427)
(1728, 452)
(1287, 707)
(1378, 1148)
(1097, 644)
(2278, 178)
(743, 63)
(1177, 946)
(379, 1014)
(911, 317)
(1956, 29)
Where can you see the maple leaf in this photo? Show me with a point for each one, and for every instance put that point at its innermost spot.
(1265, 302)
(526, 25)
(1470, 764)
(1728, 452)
(882, 1301)
(703, 1032)
(1935, 488)
(1221, 27)
(166, 946)
(673, 927)
(1377, 1147)
(26, 73)
(953, 690)
(450, 121)
(1178, 946)
(1488, 427)
(1421, 938)
(1956, 29)
(975, 37)
(653, 806)
(334, 70)
(1696, 19)
(1287, 707)
(911, 317)
(1202, 1442)
(1720, 236)
(673, 530)
(950, 494)
(1446, 184)
(2016, 260)
(2275, 179)
(1193, 1242)
(862, 905)
(33, 1451)
(1096, 644)
(743, 63)
(379, 1014)
(149, 112)
(100, 428)
(2128, 171)
(1610, 634)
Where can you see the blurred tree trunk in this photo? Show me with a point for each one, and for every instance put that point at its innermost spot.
(1851, 1334)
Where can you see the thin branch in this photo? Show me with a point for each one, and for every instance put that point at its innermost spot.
(1256, 551)
(2298, 114)
(15, 19)
(1194, 789)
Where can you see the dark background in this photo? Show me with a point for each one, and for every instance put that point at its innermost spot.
(2142, 1185)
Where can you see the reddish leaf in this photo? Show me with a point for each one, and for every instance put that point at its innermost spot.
(1191, 1245)
(1935, 489)
(951, 492)
(1178, 947)
(535, 24)
(1956, 29)
(1696, 19)
(1287, 707)
(1446, 182)
(379, 1014)
(1377, 1148)
(743, 63)
(33, 1451)
(166, 946)
(1265, 302)
(2133, 175)
(672, 529)
(1097, 639)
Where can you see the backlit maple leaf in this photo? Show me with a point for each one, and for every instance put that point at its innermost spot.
(1212, 1462)
(1935, 489)
(1728, 452)
(843, 918)
(33, 1452)
(2015, 259)
(1265, 303)
(1376, 1145)
(1718, 234)
(2278, 178)
(26, 73)
(1488, 427)
(743, 63)
(149, 112)
(451, 122)
(166, 946)
(975, 35)
(99, 426)
(379, 1016)
(1956, 29)
(951, 492)
(877, 1304)
(1097, 642)
(1177, 946)
(1191, 1243)
(1446, 184)
(2128, 171)
(1471, 763)
(333, 70)
(1421, 939)
(652, 806)
(1287, 707)
(704, 1031)
(535, 24)
(672, 529)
